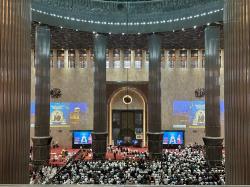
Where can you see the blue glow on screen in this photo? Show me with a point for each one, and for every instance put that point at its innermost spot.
(194, 111)
(62, 113)
(82, 137)
(120, 142)
(173, 137)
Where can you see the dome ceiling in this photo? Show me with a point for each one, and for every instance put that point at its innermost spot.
(131, 16)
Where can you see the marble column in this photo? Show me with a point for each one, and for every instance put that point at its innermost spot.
(15, 81)
(189, 59)
(200, 58)
(122, 58)
(237, 100)
(222, 59)
(132, 59)
(166, 59)
(154, 97)
(54, 58)
(42, 138)
(32, 57)
(144, 58)
(77, 58)
(178, 58)
(66, 58)
(213, 140)
(99, 134)
(111, 58)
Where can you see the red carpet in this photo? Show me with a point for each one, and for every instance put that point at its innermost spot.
(58, 159)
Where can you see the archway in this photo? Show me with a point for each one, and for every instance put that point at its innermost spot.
(136, 106)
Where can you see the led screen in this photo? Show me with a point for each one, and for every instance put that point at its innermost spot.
(64, 113)
(82, 137)
(173, 137)
(120, 142)
(193, 111)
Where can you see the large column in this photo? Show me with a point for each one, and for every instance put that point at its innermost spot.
(42, 139)
(132, 59)
(54, 58)
(100, 104)
(154, 97)
(189, 59)
(66, 58)
(222, 59)
(15, 73)
(77, 59)
(212, 139)
(200, 58)
(237, 100)
(178, 58)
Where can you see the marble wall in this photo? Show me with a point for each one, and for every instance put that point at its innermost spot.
(176, 83)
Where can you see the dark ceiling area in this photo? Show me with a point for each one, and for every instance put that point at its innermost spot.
(72, 39)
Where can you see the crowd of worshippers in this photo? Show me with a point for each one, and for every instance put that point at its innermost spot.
(43, 175)
(180, 167)
(125, 152)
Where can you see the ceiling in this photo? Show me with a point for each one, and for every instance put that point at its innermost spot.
(72, 39)
(132, 16)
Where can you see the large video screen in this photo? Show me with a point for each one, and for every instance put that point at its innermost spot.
(82, 137)
(64, 113)
(173, 138)
(193, 112)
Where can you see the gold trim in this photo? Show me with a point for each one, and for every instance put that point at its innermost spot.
(144, 143)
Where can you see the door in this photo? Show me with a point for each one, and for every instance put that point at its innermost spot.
(126, 124)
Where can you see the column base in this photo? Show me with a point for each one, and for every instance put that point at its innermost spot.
(155, 144)
(213, 148)
(99, 145)
(41, 150)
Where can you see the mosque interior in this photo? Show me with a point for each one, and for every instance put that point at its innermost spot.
(124, 92)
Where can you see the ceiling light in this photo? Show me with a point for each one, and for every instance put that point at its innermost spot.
(183, 29)
(208, 24)
(109, 32)
(123, 33)
(195, 27)
(94, 32)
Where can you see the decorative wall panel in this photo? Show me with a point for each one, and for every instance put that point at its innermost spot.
(14, 90)
(237, 101)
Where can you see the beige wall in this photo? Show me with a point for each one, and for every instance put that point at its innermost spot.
(117, 102)
(180, 84)
(177, 84)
